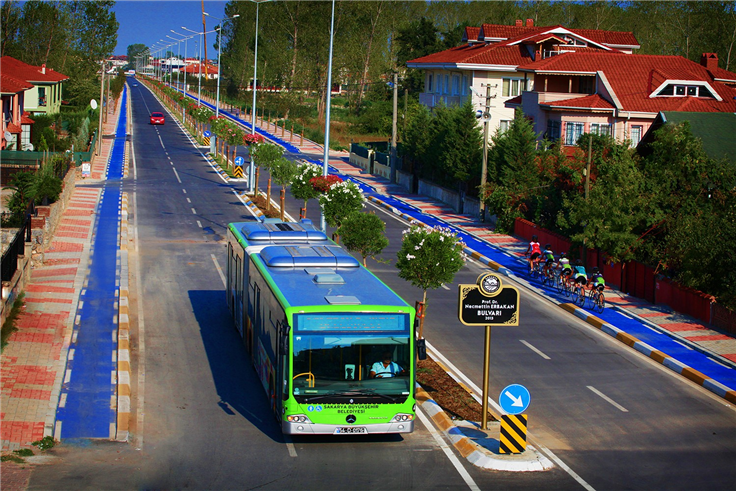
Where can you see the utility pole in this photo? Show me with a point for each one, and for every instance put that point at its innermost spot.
(98, 145)
(484, 169)
(587, 191)
(204, 33)
(393, 128)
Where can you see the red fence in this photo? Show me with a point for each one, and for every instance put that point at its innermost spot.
(637, 279)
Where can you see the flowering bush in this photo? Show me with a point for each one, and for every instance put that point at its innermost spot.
(429, 257)
(301, 186)
(323, 184)
(253, 139)
(340, 201)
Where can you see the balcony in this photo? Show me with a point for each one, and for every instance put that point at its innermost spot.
(432, 100)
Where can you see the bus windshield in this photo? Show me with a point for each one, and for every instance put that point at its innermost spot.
(341, 367)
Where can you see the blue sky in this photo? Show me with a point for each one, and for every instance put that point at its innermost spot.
(147, 21)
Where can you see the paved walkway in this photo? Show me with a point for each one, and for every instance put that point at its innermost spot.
(33, 364)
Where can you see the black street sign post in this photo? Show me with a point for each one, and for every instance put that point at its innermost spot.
(488, 303)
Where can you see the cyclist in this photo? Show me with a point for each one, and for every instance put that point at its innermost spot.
(579, 274)
(534, 250)
(565, 267)
(596, 281)
(549, 260)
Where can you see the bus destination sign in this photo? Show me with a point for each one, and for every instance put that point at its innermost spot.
(488, 303)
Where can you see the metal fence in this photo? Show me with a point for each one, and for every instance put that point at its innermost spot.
(17, 246)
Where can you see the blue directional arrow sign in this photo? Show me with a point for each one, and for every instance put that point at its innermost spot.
(239, 161)
(514, 399)
(207, 133)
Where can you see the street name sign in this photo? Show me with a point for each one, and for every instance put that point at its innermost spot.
(488, 303)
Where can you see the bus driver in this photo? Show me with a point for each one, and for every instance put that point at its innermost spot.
(386, 368)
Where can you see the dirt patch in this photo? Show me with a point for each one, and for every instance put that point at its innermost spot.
(450, 395)
(260, 202)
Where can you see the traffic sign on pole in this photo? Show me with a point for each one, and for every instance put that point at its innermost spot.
(514, 399)
(239, 161)
(207, 133)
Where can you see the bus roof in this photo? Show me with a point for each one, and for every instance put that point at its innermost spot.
(256, 235)
(320, 276)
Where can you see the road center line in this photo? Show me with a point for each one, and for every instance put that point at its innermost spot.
(199, 224)
(177, 175)
(537, 351)
(184, 191)
(194, 211)
(608, 399)
(448, 452)
(188, 200)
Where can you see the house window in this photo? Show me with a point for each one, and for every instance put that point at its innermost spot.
(553, 130)
(447, 84)
(455, 85)
(600, 129)
(503, 126)
(586, 85)
(41, 96)
(680, 90)
(636, 132)
(573, 132)
(512, 87)
(465, 85)
(25, 136)
(429, 83)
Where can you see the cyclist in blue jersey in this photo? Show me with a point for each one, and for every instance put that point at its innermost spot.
(579, 274)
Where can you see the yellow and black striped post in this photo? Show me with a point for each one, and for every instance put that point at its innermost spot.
(238, 171)
(206, 141)
(513, 433)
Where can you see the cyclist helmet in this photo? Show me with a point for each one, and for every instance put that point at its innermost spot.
(594, 270)
(548, 246)
(578, 262)
(563, 254)
(535, 238)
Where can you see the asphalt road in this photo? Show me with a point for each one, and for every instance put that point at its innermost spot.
(613, 417)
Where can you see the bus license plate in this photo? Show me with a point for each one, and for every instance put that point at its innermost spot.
(350, 430)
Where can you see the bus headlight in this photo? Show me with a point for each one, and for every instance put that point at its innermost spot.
(402, 417)
(298, 418)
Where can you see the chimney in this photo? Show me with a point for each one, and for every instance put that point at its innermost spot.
(519, 23)
(43, 68)
(530, 22)
(709, 60)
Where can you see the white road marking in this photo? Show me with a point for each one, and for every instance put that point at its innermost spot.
(682, 344)
(219, 270)
(448, 452)
(188, 200)
(140, 391)
(177, 175)
(62, 399)
(184, 191)
(537, 351)
(162, 142)
(194, 211)
(608, 399)
(290, 446)
(547, 452)
(57, 430)
(445, 286)
(199, 224)
(71, 354)
(67, 376)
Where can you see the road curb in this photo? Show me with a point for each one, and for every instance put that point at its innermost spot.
(123, 352)
(660, 357)
(472, 451)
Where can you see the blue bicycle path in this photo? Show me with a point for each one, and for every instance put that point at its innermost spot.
(88, 412)
(662, 342)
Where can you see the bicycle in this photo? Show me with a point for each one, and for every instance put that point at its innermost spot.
(597, 300)
(535, 268)
(578, 295)
(548, 276)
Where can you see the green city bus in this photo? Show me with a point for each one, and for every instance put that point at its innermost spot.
(317, 325)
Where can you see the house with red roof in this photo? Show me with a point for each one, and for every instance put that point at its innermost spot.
(209, 71)
(16, 127)
(619, 94)
(45, 94)
(488, 64)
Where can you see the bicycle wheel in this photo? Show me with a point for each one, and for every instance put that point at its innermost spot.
(600, 302)
(580, 300)
(566, 287)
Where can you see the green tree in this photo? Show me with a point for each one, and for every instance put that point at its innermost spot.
(134, 51)
(266, 155)
(429, 257)
(419, 38)
(363, 233)
(283, 172)
(301, 187)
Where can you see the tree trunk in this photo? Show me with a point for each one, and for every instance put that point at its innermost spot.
(268, 193)
(424, 314)
(283, 199)
(258, 176)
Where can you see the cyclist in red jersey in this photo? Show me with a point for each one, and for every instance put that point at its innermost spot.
(534, 251)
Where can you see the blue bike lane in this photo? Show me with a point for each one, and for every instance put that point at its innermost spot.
(88, 393)
(715, 373)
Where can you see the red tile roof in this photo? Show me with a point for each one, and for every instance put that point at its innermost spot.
(496, 31)
(12, 85)
(593, 101)
(13, 128)
(634, 77)
(616, 38)
(25, 119)
(194, 68)
(471, 33)
(29, 73)
(721, 74)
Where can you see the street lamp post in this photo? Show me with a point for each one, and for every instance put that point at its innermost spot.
(219, 70)
(178, 58)
(326, 157)
(255, 88)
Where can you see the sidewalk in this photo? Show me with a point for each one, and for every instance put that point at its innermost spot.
(34, 362)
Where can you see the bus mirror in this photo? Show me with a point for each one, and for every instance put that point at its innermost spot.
(421, 346)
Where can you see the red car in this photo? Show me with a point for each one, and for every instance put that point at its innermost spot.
(157, 118)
